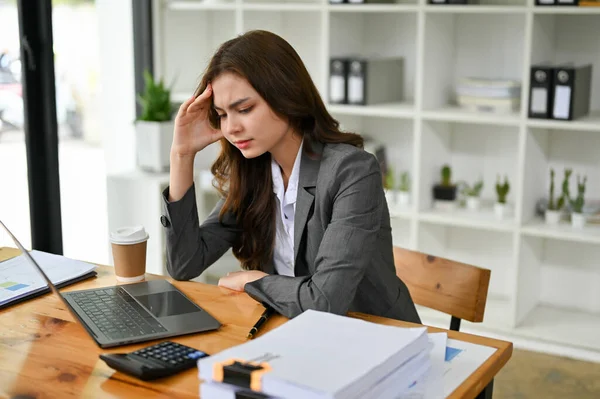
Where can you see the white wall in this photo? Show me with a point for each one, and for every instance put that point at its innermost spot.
(117, 87)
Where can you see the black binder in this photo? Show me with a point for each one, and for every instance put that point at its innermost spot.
(338, 70)
(541, 89)
(572, 91)
(374, 80)
(556, 2)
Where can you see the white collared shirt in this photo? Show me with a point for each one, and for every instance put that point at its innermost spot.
(283, 254)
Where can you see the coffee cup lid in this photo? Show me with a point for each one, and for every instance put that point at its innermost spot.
(129, 235)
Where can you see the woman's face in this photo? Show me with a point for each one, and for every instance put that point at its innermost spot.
(247, 121)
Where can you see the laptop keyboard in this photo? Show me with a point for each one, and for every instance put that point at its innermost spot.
(116, 313)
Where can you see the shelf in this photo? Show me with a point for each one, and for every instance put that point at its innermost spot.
(566, 10)
(397, 212)
(483, 219)
(475, 9)
(568, 328)
(197, 5)
(372, 8)
(392, 110)
(281, 7)
(457, 114)
(562, 231)
(562, 326)
(588, 123)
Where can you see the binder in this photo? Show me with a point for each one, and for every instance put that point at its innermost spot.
(556, 2)
(572, 91)
(375, 80)
(337, 81)
(541, 90)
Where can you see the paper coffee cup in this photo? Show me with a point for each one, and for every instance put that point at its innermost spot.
(129, 253)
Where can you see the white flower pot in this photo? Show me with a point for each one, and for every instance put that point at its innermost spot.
(403, 198)
(473, 203)
(552, 217)
(577, 220)
(390, 197)
(500, 210)
(153, 145)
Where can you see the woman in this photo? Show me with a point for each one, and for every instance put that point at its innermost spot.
(302, 205)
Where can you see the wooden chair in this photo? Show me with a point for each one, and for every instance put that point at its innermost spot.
(451, 287)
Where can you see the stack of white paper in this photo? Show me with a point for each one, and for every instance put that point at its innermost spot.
(322, 355)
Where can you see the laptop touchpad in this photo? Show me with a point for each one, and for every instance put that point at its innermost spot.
(169, 303)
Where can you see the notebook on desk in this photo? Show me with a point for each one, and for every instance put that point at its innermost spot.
(20, 281)
(129, 313)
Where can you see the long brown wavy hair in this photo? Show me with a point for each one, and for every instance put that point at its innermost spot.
(274, 69)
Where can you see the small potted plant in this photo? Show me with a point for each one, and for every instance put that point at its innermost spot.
(445, 191)
(154, 128)
(473, 194)
(502, 189)
(577, 216)
(404, 189)
(389, 184)
(554, 210)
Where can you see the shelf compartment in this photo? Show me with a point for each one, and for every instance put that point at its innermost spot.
(493, 250)
(561, 39)
(558, 277)
(208, 28)
(461, 45)
(457, 114)
(473, 151)
(377, 35)
(301, 29)
(392, 110)
(558, 149)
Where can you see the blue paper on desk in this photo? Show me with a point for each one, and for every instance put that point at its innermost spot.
(19, 278)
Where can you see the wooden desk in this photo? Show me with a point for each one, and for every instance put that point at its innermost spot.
(44, 353)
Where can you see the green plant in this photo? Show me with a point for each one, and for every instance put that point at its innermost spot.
(155, 100)
(474, 190)
(389, 182)
(551, 205)
(446, 175)
(502, 189)
(565, 195)
(578, 202)
(404, 182)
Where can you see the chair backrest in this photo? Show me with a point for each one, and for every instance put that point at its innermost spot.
(451, 287)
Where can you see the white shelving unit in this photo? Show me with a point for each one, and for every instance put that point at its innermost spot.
(545, 284)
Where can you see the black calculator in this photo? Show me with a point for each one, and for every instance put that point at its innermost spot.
(155, 361)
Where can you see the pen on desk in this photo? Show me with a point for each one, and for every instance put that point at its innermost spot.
(266, 314)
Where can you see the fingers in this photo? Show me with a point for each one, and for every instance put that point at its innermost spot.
(195, 104)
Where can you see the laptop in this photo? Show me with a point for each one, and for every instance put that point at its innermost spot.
(131, 313)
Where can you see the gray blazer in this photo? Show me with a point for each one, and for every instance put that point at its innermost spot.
(342, 241)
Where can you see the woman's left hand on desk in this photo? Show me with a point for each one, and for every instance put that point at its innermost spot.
(237, 280)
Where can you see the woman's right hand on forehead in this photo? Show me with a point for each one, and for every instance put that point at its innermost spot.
(193, 131)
